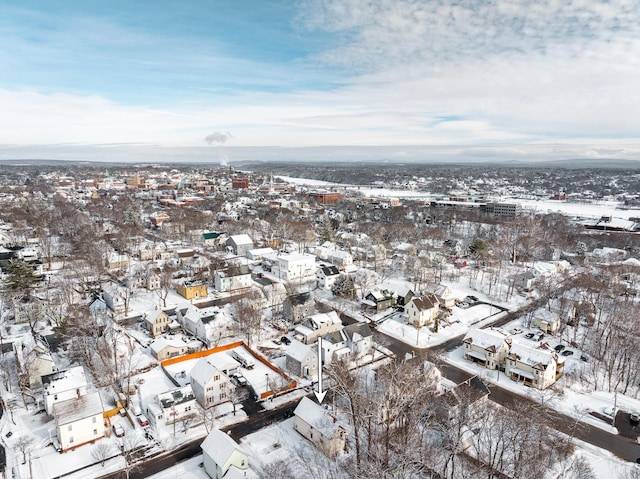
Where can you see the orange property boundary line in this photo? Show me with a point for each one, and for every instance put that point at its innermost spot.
(200, 354)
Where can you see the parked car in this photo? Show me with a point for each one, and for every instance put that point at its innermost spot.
(559, 348)
(9, 434)
(634, 417)
(463, 305)
(277, 341)
(516, 331)
(529, 335)
(567, 352)
(143, 421)
(471, 299)
(584, 357)
(118, 430)
(241, 380)
(285, 340)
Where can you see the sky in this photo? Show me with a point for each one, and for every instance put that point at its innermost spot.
(335, 79)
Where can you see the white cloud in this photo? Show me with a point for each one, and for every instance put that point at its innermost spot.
(414, 73)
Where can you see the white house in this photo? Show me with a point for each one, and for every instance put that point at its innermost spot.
(79, 420)
(210, 385)
(291, 266)
(486, 346)
(116, 297)
(423, 310)
(302, 359)
(444, 294)
(359, 339)
(318, 325)
(62, 385)
(326, 276)
(536, 367)
(320, 427)
(232, 278)
(547, 321)
(334, 346)
(240, 244)
(222, 457)
(172, 406)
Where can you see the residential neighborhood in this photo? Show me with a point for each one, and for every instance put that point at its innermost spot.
(265, 319)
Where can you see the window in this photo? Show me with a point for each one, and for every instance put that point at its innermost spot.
(69, 427)
(93, 419)
(95, 432)
(71, 440)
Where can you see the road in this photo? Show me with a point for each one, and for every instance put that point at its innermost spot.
(625, 448)
(164, 461)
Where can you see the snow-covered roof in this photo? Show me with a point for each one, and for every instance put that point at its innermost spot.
(78, 408)
(66, 380)
(317, 320)
(544, 314)
(317, 417)
(219, 447)
(485, 338)
(538, 358)
(204, 370)
(243, 239)
(298, 350)
(159, 344)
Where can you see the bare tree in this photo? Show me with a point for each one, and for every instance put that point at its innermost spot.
(24, 444)
(101, 452)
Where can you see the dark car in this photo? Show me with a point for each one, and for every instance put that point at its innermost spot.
(529, 335)
(585, 358)
(559, 348)
(285, 340)
(472, 299)
(9, 434)
(567, 352)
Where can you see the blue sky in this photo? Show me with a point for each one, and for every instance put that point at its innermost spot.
(88, 79)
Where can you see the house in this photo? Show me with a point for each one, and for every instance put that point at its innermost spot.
(257, 253)
(359, 339)
(233, 278)
(240, 244)
(222, 457)
(403, 294)
(487, 347)
(35, 359)
(116, 260)
(326, 276)
(156, 322)
(192, 289)
(525, 280)
(334, 346)
(422, 310)
(547, 321)
(318, 325)
(301, 359)
(536, 367)
(443, 293)
(163, 348)
(116, 297)
(203, 324)
(379, 300)
(97, 307)
(297, 307)
(79, 420)
(320, 427)
(62, 385)
(291, 266)
(172, 406)
(461, 404)
(211, 386)
(212, 238)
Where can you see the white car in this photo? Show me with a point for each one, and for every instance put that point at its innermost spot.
(634, 416)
